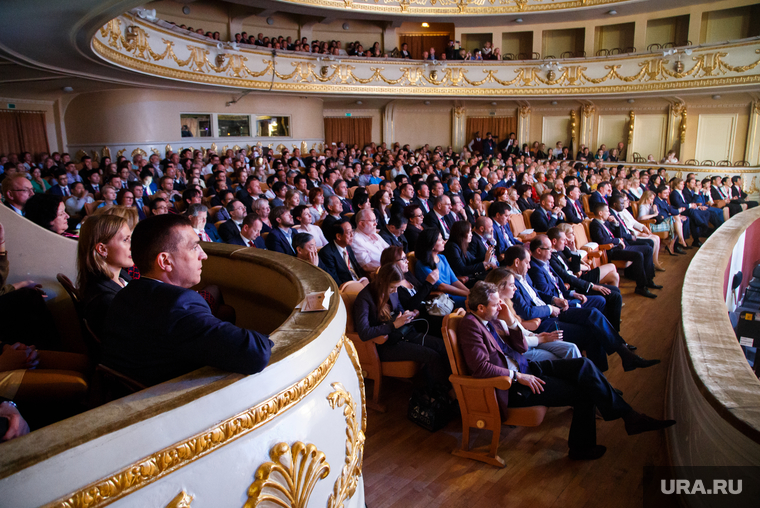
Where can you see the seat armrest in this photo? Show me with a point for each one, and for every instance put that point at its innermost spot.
(500, 382)
(378, 340)
(606, 246)
(647, 222)
(532, 324)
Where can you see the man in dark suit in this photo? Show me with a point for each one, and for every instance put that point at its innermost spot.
(338, 255)
(250, 193)
(230, 230)
(499, 213)
(586, 328)
(173, 331)
(491, 351)
(334, 214)
(423, 193)
(738, 193)
(92, 184)
(472, 210)
(280, 239)
(693, 196)
(546, 280)
(547, 215)
(638, 252)
(600, 195)
(574, 213)
(406, 195)
(62, 187)
(438, 217)
(393, 232)
(665, 210)
(249, 234)
(482, 248)
(610, 293)
(697, 218)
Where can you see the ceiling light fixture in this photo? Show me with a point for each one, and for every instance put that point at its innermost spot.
(270, 21)
(519, 20)
(67, 89)
(493, 103)
(554, 103)
(427, 103)
(359, 103)
(631, 101)
(426, 25)
(612, 12)
(346, 26)
(716, 97)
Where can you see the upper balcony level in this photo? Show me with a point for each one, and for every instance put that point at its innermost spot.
(159, 49)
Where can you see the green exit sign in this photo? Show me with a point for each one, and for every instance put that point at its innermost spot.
(348, 114)
(11, 106)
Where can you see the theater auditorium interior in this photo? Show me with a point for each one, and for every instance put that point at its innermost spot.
(381, 253)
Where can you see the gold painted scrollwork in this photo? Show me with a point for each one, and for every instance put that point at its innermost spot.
(181, 500)
(631, 122)
(459, 111)
(140, 151)
(682, 127)
(348, 480)
(573, 126)
(289, 479)
(525, 111)
(106, 152)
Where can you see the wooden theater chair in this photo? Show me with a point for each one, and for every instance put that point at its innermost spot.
(477, 400)
(372, 367)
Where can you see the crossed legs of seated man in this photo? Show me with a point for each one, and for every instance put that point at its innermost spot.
(642, 266)
(490, 351)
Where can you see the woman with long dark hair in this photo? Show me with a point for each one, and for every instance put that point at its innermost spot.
(381, 203)
(48, 211)
(429, 254)
(378, 312)
(462, 262)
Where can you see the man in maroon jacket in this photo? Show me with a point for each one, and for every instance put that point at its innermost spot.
(492, 349)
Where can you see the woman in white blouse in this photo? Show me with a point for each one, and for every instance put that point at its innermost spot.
(541, 346)
(512, 205)
(303, 214)
(641, 231)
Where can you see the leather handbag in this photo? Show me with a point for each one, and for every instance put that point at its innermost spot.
(441, 305)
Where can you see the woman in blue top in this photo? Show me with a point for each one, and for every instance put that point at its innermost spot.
(430, 245)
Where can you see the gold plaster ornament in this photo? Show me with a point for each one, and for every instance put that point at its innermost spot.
(78, 156)
(119, 153)
(682, 127)
(139, 151)
(290, 478)
(169, 148)
(155, 151)
(631, 123)
(181, 500)
(106, 152)
(348, 480)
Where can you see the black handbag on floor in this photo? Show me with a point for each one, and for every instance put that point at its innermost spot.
(431, 411)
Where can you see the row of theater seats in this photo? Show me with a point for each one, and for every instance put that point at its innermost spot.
(476, 396)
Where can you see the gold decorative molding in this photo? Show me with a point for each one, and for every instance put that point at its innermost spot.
(155, 151)
(631, 124)
(451, 7)
(293, 478)
(682, 127)
(181, 500)
(709, 67)
(169, 148)
(588, 110)
(139, 151)
(354, 356)
(95, 155)
(106, 152)
(525, 111)
(78, 156)
(119, 153)
(348, 480)
(164, 462)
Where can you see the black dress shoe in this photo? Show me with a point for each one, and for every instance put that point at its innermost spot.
(679, 250)
(631, 347)
(592, 453)
(652, 285)
(619, 392)
(687, 247)
(696, 243)
(645, 292)
(634, 362)
(639, 423)
(672, 253)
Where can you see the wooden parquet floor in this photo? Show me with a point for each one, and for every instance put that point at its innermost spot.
(407, 466)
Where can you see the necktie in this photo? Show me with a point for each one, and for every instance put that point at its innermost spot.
(445, 226)
(348, 263)
(513, 355)
(553, 279)
(608, 229)
(577, 207)
(622, 224)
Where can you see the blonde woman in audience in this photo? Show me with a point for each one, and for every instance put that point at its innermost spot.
(109, 196)
(648, 210)
(540, 184)
(512, 197)
(103, 256)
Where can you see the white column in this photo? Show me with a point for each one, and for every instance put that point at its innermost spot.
(752, 150)
(458, 127)
(523, 124)
(388, 130)
(588, 112)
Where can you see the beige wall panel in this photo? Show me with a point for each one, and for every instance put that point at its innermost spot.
(649, 134)
(362, 31)
(611, 130)
(283, 25)
(212, 17)
(715, 136)
(130, 116)
(418, 126)
(555, 128)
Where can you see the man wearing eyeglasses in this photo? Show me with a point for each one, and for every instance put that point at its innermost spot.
(16, 192)
(368, 245)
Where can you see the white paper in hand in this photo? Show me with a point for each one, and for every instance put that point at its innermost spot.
(315, 302)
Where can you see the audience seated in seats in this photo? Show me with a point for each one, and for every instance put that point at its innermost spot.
(317, 205)
(438, 217)
(338, 256)
(262, 210)
(665, 209)
(461, 260)
(525, 201)
(625, 248)
(176, 332)
(586, 328)
(381, 204)
(17, 190)
(74, 204)
(722, 192)
(302, 214)
(422, 193)
(491, 350)
(23, 312)
(198, 215)
(280, 238)
(334, 215)
(415, 217)
(672, 224)
(574, 208)
(698, 193)
(474, 208)
(49, 212)
(429, 255)
(482, 246)
(541, 346)
(229, 231)
(548, 282)
(637, 230)
(738, 194)
(599, 196)
(159, 206)
(698, 218)
(393, 233)
(340, 189)
(378, 312)
(109, 195)
(413, 293)
(103, 256)
(368, 245)
(502, 233)
(306, 249)
(404, 199)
